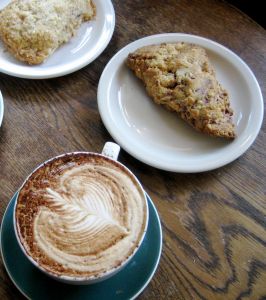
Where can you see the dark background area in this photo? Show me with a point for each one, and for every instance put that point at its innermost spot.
(253, 8)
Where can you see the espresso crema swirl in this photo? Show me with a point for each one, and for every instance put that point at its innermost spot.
(85, 217)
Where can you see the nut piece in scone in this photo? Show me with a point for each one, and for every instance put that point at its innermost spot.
(33, 29)
(181, 78)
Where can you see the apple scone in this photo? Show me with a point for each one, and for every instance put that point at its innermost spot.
(33, 29)
(180, 77)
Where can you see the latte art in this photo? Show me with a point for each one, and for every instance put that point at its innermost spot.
(80, 217)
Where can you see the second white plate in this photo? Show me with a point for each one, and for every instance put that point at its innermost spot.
(1, 108)
(88, 43)
(158, 137)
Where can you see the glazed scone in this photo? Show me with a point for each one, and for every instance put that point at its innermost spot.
(180, 77)
(33, 29)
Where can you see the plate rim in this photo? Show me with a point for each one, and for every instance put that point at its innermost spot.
(42, 74)
(135, 295)
(2, 108)
(103, 94)
(160, 249)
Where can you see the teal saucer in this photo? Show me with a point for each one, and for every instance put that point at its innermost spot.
(127, 284)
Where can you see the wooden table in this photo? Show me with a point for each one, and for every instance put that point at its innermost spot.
(214, 222)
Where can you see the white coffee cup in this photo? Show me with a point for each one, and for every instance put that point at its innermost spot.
(110, 153)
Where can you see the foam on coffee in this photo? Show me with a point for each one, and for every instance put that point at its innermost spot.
(80, 215)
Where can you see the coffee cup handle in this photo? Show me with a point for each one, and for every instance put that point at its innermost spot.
(111, 150)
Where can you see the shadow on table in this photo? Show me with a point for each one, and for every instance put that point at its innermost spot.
(253, 9)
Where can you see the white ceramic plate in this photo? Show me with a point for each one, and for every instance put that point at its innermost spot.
(89, 42)
(158, 137)
(1, 108)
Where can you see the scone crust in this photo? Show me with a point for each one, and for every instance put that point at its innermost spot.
(180, 77)
(33, 29)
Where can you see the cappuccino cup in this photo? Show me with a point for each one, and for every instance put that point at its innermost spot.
(80, 217)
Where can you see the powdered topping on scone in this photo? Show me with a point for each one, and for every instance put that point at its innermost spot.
(180, 77)
(33, 29)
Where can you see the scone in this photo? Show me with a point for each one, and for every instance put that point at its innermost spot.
(33, 29)
(180, 77)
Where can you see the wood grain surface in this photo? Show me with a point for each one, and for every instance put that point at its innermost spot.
(214, 223)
